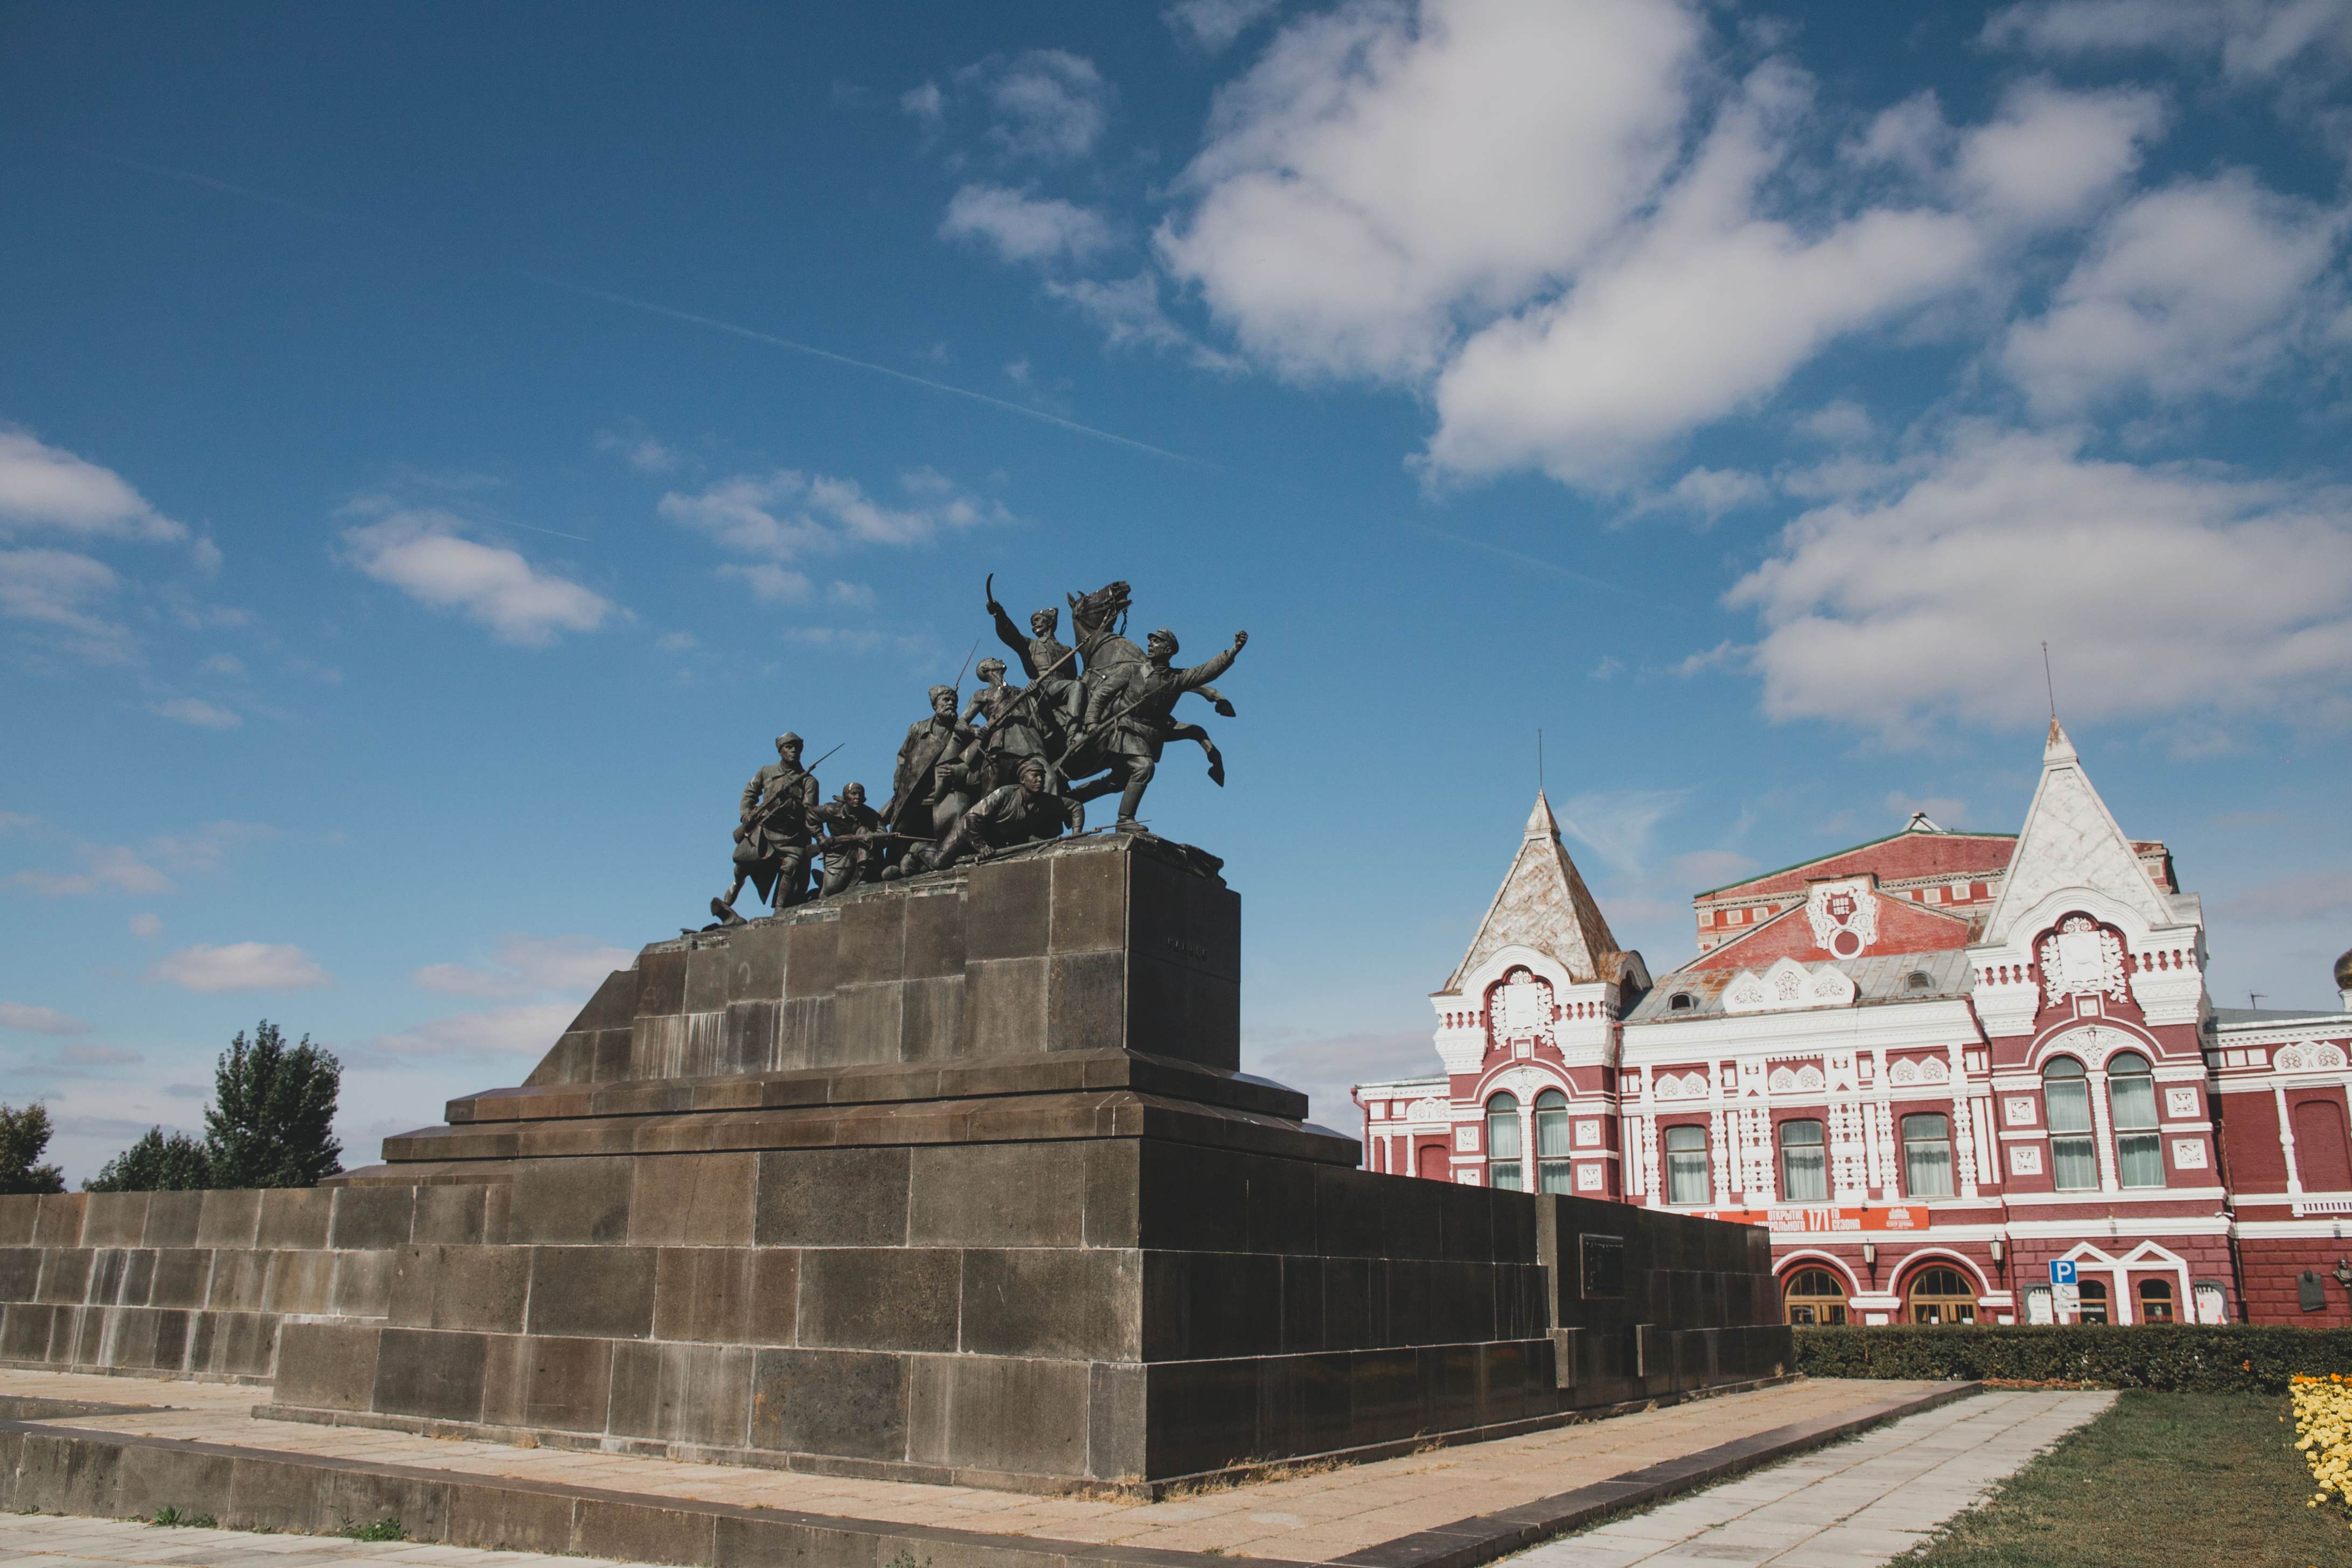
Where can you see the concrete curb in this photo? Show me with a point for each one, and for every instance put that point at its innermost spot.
(66, 1470)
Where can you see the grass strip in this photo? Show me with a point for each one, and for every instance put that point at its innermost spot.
(2185, 1480)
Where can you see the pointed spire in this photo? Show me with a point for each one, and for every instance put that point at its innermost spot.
(1544, 904)
(2070, 840)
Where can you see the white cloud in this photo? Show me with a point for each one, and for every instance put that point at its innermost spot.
(2197, 287)
(1712, 867)
(114, 869)
(1707, 494)
(1324, 1068)
(2253, 39)
(44, 487)
(1048, 104)
(40, 1020)
(2160, 589)
(1841, 421)
(926, 102)
(122, 869)
(147, 925)
(524, 965)
(1210, 25)
(1023, 228)
(786, 514)
(851, 596)
(639, 450)
(1376, 170)
(529, 1028)
(197, 711)
(1709, 309)
(678, 642)
(241, 966)
(1128, 313)
(2050, 153)
(1618, 824)
(425, 554)
(771, 584)
(58, 590)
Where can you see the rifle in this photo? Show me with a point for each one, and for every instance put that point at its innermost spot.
(1024, 695)
(759, 818)
(1091, 731)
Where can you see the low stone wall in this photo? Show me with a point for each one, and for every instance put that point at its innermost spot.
(197, 1284)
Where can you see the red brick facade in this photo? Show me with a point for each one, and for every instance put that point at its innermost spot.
(1934, 1065)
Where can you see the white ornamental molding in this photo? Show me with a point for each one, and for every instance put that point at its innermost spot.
(2189, 1153)
(2311, 1055)
(1525, 1082)
(1788, 985)
(1907, 1071)
(1520, 1009)
(1430, 1109)
(1843, 915)
(2017, 1111)
(2079, 959)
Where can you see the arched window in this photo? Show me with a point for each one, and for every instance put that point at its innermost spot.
(1503, 1143)
(1814, 1296)
(1804, 1169)
(1928, 1155)
(1681, 1002)
(2322, 1162)
(1553, 1169)
(2155, 1301)
(1941, 1295)
(2095, 1301)
(2066, 1100)
(1919, 980)
(2131, 1101)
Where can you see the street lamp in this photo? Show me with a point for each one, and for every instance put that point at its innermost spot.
(1870, 1259)
(1999, 1254)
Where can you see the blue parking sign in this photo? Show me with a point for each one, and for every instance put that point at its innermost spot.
(2062, 1271)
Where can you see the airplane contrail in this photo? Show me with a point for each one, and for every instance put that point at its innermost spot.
(1536, 562)
(760, 337)
(607, 297)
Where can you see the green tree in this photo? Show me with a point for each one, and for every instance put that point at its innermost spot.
(271, 1120)
(23, 1135)
(155, 1164)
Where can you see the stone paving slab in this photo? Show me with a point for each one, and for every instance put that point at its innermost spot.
(1856, 1505)
(50, 1542)
(1447, 1508)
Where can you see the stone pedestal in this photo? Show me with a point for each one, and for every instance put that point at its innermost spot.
(956, 1179)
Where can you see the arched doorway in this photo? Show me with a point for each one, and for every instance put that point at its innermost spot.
(1940, 1294)
(1431, 1161)
(1814, 1296)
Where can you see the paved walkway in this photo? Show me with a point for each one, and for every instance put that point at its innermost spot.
(1309, 1517)
(53, 1542)
(1855, 1505)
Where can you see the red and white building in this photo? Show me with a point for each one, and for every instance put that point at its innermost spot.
(1934, 1065)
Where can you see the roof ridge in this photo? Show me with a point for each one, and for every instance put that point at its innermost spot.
(1865, 843)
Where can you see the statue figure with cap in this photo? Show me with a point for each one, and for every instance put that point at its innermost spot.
(771, 840)
(926, 787)
(1131, 715)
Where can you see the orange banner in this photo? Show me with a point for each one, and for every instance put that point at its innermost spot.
(1821, 1217)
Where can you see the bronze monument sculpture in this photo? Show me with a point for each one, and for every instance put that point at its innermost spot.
(1014, 765)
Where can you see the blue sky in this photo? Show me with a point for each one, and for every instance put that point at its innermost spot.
(440, 446)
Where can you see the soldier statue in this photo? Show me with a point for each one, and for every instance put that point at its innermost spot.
(771, 841)
(1022, 812)
(853, 845)
(1051, 664)
(1012, 730)
(1131, 715)
(925, 800)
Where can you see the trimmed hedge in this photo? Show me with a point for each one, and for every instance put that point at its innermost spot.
(2178, 1357)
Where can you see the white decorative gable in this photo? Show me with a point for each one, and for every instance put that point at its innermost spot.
(2071, 840)
(1843, 915)
(1788, 985)
(2311, 1055)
